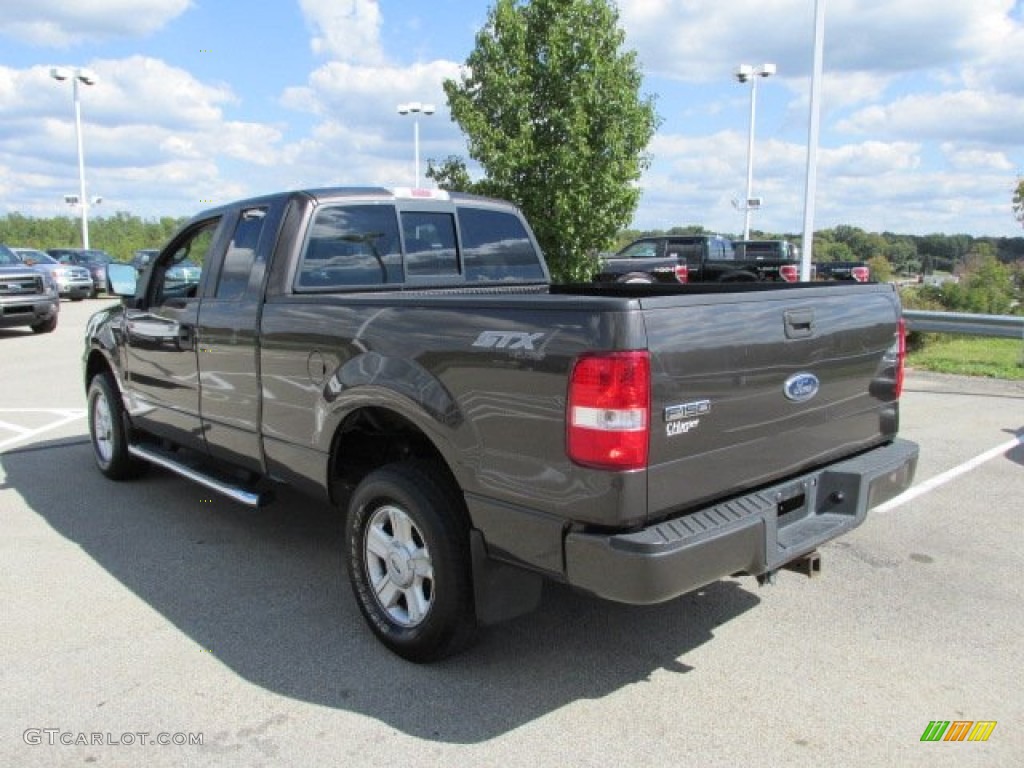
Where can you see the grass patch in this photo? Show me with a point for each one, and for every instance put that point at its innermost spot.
(967, 355)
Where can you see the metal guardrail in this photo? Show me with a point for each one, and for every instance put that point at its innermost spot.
(1003, 326)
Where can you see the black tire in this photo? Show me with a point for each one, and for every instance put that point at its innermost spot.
(408, 558)
(77, 298)
(47, 326)
(107, 431)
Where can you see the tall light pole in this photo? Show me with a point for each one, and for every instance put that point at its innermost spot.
(416, 108)
(813, 129)
(747, 73)
(85, 77)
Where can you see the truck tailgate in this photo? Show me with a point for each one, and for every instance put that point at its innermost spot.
(749, 387)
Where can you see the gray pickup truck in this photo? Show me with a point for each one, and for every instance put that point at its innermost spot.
(28, 297)
(404, 355)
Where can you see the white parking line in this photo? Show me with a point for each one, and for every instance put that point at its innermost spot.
(950, 474)
(13, 427)
(67, 415)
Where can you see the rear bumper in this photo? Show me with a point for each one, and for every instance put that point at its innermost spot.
(752, 534)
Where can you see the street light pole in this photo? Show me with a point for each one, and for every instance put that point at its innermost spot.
(813, 129)
(744, 73)
(85, 77)
(416, 108)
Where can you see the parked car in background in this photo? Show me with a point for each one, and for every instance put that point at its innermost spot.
(184, 274)
(72, 281)
(142, 257)
(27, 296)
(93, 259)
(766, 249)
(856, 271)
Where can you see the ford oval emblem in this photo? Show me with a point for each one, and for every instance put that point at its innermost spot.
(801, 387)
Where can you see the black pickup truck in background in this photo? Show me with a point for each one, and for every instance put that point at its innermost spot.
(695, 259)
(403, 355)
(716, 259)
(853, 271)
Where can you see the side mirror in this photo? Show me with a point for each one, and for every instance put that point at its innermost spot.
(122, 279)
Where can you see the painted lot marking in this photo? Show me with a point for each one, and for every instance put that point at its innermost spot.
(52, 418)
(950, 474)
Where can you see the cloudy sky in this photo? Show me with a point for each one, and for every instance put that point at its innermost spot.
(203, 101)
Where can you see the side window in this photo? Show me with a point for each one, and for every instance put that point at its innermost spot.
(684, 249)
(179, 278)
(429, 244)
(646, 250)
(240, 255)
(496, 246)
(351, 245)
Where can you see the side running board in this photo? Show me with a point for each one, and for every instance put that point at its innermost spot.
(250, 498)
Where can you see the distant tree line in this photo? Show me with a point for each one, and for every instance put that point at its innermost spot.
(119, 235)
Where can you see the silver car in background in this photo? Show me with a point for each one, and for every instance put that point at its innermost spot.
(72, 281)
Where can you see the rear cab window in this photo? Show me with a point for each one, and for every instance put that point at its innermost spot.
(373, 245)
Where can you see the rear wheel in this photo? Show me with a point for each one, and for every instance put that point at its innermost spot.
(107, 430)
(408, 558)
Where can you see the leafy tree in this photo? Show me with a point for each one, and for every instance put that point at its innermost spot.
(550, 103)
(881, 269)
(452, 174)
(1018, 202)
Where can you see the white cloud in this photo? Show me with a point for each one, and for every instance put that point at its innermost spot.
(954, 115)
(151, 132)
(972, 159)
(345, 30)
(59, 24)
(700, 41)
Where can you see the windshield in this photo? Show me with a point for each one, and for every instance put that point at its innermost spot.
(35, 257)
(99, 256)
(7, 257)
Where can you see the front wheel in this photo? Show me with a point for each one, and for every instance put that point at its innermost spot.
(47, 326)
(408, 558)
(107, 430)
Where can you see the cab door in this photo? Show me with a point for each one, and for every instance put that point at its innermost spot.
(161, 356)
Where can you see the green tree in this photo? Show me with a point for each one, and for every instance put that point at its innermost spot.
(881, 269)
(1018, 202)
(452, 174)
(986, 287)
(551, 106)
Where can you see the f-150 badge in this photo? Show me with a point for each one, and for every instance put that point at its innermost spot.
(680, 419)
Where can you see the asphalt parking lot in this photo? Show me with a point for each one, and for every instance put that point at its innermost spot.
(147, 612)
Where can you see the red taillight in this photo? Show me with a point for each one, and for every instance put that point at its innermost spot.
(901, 354)
(790, 273)
(860, 274)
(608, 410)
(682, 273)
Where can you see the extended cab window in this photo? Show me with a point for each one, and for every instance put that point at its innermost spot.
(496, 246)
(240, 255)
(429, 244)
(691, 250)
(351, 245)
